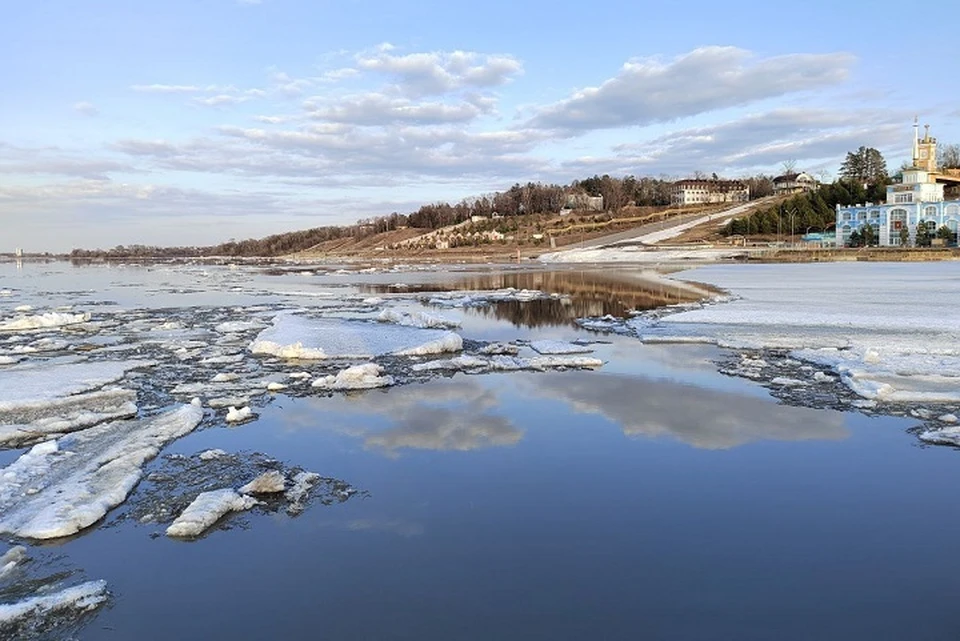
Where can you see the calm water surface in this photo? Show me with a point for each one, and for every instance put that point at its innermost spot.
(650, 499)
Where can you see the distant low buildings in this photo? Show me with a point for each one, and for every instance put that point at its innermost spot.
(915, 206)
(793, 183)
(696, 191)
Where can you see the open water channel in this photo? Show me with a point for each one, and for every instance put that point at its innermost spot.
(650, 497)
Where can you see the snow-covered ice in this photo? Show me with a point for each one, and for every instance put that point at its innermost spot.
(36, 386)
(299, 490)
(11, 560)
(63, 415)
(417, 319)
(296, 336)
(559, 347)
(358, 377)
(210, 455)
(207, 509)
(79, 598)
(890, 331)
(42, 321)
(60, 487)
(235, 415)
(271, 482)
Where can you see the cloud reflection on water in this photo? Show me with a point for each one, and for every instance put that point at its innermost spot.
(448, 415)
(703, 418)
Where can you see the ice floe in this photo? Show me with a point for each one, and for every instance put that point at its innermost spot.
(209, 455)
(358, 377)
(559, 347)
(81, 598)
(900, 347)
(34, 387)
(207, 509)
(43, 321)
(235, 415)
(11, 560)
(271, 482)
(63, 415)
(296, 336)
(417, 319)
(503, 363)
(60, 487)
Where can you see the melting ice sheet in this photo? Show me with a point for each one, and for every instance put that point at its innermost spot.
(292, 334)
(891, 331)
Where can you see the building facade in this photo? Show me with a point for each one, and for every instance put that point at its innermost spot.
(916, 201)
(793, 183)
(697, 191)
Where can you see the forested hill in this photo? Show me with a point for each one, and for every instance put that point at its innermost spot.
(531, 198)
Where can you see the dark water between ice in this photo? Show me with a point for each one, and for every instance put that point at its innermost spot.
(651, 499)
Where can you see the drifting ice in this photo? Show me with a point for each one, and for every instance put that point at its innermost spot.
(293, 336)
(60, 487)
(367, 376)
(79, 598)
(559, 347)
(43, 321)
(207, 509)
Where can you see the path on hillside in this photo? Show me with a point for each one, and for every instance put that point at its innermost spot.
(662, 230)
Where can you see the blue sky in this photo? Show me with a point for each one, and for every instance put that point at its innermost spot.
(195, 122)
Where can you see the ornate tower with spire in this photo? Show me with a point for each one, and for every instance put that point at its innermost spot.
(924, 149)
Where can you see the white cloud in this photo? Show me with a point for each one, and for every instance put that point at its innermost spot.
(221, 100)
(86, 108)
(375, 109)
(161, 88)
(760, 140)
(649, 90)
(439, 72)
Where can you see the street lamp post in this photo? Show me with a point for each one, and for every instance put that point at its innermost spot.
(793, 240)
(779, 218)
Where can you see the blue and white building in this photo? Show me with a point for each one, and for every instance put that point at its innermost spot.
(917, 200)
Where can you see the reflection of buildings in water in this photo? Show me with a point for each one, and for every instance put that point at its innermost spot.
(703, 418)
(587, 293)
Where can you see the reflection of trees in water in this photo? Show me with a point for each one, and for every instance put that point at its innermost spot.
(587, 293)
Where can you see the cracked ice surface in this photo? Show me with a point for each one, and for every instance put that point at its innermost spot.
(890, 331)
(61, 487)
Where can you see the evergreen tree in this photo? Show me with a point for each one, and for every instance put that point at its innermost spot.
(864, 166)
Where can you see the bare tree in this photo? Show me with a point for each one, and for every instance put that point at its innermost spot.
(948, 157)
(789, 166)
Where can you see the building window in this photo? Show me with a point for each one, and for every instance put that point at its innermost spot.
(861, 215)
(903, 198)
(930, 211)
(844, 235)
(847, 216)
(875, 213)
